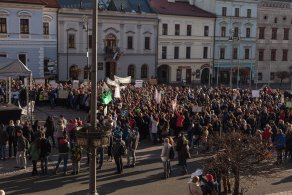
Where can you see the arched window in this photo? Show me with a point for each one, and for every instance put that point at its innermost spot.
(131, 71)
(144, 71)
(74, 72)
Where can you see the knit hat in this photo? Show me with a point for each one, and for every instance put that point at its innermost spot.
(209, 177)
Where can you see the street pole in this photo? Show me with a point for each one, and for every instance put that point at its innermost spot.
(67, 56)
(93, 101)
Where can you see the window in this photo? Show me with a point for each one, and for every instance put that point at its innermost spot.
(144, 71)
(286, 33)
(272, 75)
(71, 41)
(246, 53)
(284, 18)
(205, 53)
(178, 74)
(260, 76)
(131, 71)
(46, 30)
(285, 55)
(224, 11)
(261, 55)
(130, 42)
(22, 58)
(176, 52)
(24, 26)
(3, 25)
(275, 20)
(3, 55)
(236, 12)
(223, 31)
(177, 29)
(274, 33)
(206, 31)
(235, 33)
(273, 54)
(222, 53)
(90, 41)
(247, 32)
(188, 52)
(248, 13)
(164, 29)
(262, 33)
(189, 30)
(164, 52)
(235, 53)
(147, 43)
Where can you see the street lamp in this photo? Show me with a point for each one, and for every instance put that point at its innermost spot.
(232, 38)
(85, 27)
(67, 30)
(95, 135)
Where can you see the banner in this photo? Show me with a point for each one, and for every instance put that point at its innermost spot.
(40, 81)
(117, 92)
(125, 80)
(152, 81)
(196, 109)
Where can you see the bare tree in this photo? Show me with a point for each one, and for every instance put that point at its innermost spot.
(241, 154)
(282, 75)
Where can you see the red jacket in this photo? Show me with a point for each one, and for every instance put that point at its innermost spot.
(180, 120)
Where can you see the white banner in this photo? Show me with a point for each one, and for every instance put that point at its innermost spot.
(75, 84)
(125, 80)
(255, 93)
(139, 83)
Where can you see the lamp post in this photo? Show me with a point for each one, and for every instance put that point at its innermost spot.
(67, 30)
(231, 38)
(95, 135)
(85, 27)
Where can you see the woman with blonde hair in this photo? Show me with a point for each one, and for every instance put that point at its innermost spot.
(194, 187)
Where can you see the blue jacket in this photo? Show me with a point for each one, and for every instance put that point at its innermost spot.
(280, 140)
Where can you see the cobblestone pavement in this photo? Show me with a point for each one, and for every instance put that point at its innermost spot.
(144, 179)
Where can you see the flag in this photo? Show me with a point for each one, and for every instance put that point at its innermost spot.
(106, 97)
(105, 87)
(117, 92)
(157, 96)
(174, 103)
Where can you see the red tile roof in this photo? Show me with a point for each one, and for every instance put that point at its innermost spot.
(179, 8)
(47, 3)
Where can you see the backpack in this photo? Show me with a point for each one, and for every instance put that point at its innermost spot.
(171, 153)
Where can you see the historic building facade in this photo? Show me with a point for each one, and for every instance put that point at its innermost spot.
(274, 42)
(127, 40)
(235, 42)
(185, 41)
(28, 31)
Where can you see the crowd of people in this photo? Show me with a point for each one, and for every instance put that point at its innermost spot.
(180, 119)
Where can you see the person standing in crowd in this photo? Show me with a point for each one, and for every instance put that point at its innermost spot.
(100, 153)
(12, 139)
(179, 123)
(45, 150)
(132, 144)
(34, 154)
(288, 148)
(64, 148)
(27, 131)
(165, 157)
(3, 142)
(154, 128)
(76, 153)
(280, 142)
(182, 149)
(50, 129)
(60, 128)
(119, 150)
(194, 187)
(22, 146)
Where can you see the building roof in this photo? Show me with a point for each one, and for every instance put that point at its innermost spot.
(47, 3)
(179, 8)
(112, 5)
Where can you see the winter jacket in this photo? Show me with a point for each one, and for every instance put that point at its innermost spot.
(165, 151)
(22, 143)
(119, 148)
(11, 132)
(63, 146)
(45, 147)
(34, 150)
(280, 141)
(3, 137)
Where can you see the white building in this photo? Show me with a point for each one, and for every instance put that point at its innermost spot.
(127, 40)
(185, 41)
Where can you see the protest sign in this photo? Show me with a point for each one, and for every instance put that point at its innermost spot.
(138, 83)
(152, 81)
(75, 84)
(255, 93)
